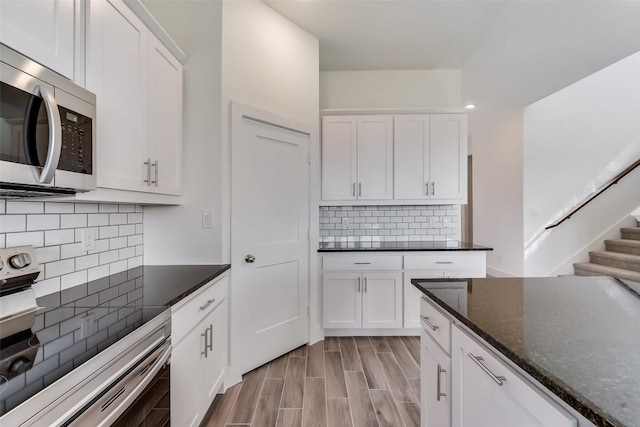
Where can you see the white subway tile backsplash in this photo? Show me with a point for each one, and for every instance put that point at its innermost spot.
(43, 222)
(25, 207)
(87, 261)
(59, 237)
(104, 208)
(58, 208)
(86, 208)
(390, 223)
(73, 221)
(33, 238)
(59, 268)
(74, 279)
(13, 223)
(56, 229)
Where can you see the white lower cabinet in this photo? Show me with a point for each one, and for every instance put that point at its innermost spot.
(362, 300)
(487, 393)
(435, 383)
(199, 355)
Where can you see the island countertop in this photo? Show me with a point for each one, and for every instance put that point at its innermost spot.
(399, 246)
(578, 336)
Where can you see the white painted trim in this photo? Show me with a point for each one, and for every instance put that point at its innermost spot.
(423, 202)
(156, 29)
(496, 272)
(347, 112)
(582, 254)
(406, 332)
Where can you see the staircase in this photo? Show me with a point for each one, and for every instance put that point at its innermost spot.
(621, 257)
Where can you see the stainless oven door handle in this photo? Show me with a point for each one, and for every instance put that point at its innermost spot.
(107, 409)
(55, 136)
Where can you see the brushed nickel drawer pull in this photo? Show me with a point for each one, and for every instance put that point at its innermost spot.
(439, 394)
(444, 262)
(429, 324)
(498, 379)
(204, 307)
(362, 263)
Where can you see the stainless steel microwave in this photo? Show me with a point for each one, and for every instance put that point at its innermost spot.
(47, 131)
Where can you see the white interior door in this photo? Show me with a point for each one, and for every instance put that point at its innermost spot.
(269, 232)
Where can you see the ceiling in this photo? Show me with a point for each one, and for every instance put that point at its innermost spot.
(513, 52)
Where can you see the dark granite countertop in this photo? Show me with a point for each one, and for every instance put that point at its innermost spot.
(578, 336)
(115, 306)
(448, 245)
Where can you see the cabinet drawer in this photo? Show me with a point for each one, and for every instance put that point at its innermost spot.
(436, 324)
(446, 261)
(190, 311)
(362, 262)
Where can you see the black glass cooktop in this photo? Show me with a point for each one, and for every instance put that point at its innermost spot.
(75, 324)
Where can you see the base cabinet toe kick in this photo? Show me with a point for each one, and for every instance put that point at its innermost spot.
(465, 382)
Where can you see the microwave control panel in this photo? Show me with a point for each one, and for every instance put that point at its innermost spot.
(76, 154)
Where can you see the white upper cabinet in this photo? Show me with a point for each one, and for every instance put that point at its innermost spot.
(165, 119)
(339, 157)
(138, 85)
(430, 158)
(117, 73)
(43, 30)
(375, 157)
(357, 157)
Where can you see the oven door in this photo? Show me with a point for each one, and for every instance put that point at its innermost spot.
(30, 129)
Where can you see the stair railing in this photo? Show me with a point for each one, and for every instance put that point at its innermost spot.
(595, 194)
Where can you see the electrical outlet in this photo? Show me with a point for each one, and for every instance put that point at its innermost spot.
(89, 236)
(207, 219)
(88, 325)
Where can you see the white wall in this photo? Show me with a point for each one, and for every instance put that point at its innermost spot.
(574, 141)
(496, 141)
(389, 89)
(174, 235)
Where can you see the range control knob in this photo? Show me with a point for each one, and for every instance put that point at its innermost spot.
(20, 261)
(20, 365)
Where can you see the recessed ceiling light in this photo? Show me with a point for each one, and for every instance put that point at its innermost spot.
(470, 106)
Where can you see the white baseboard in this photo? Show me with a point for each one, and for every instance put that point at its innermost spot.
(371, 332)
(496, 272)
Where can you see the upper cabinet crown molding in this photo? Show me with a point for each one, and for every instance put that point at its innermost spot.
(156, 29)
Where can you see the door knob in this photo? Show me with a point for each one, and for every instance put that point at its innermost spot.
(250, 258)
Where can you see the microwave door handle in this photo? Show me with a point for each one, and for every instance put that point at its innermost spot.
(55, 135)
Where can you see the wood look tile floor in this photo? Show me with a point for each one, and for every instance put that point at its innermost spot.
(346, 381)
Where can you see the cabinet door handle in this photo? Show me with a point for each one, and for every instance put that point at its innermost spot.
(359, 189)
(155, 165)
(204, 307)
(206, 344)
(148, 164)
(353, 189)
(365, 285)
(439, 393)
(428, 323)
(433, 188)
(498, 379)
(210, 329)
(358, 285)
(426, 188)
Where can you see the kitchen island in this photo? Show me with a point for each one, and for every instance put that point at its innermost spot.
(578, 337)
